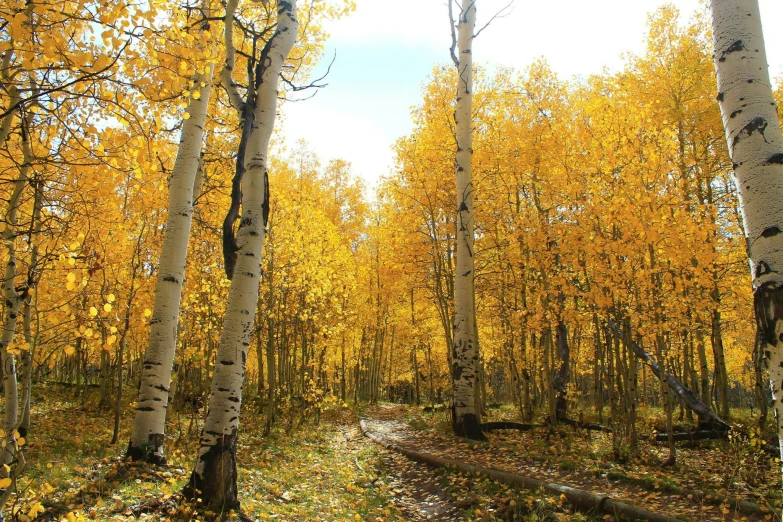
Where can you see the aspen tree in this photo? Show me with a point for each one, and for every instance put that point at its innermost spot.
(465, 417)
(146, 442)
(755, 144)
(13, 299)
(214, 478)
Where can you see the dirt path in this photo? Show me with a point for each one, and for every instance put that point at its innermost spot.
(388, 422)
(415, 486)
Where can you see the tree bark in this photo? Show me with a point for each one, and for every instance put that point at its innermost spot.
(465, 414)
(564, 372)
(149, 423)
(11, 309)
(270, 341)
(215, 475)
(27, 319)
(759, 389)
(705, 414)
(755, 145)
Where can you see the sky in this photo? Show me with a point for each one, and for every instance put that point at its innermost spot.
(385, 51)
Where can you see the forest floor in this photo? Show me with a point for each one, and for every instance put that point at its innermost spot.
(692, 490)
(318, 471)
(313, 471)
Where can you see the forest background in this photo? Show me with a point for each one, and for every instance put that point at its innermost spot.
(608, 195)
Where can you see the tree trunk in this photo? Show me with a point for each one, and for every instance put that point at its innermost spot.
(465, 414)
(705, 414)
(759, 388)
(30, 341)
(416, 374)
(666, 400)
(136, 264)
(563, 373)
(721, 376)
(704, 371)
(546, 340)
(270, 340)
(149, 423)
(214, 478)
(755, 144)
(342, 372)
(11, 309)
(598, 370)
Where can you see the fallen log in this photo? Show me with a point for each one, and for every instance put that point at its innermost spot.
(738, 504)
(691, 436)
(706, 415)
(502, 425)
(580, 499)
(585, 425)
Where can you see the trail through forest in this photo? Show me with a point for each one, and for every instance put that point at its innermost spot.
(390, 423)
(414, 486)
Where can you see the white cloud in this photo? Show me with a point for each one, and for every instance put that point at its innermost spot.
(336, 133)
(409, 22)
(358, 122)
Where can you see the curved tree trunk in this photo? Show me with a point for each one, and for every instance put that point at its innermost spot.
(756, 147)
(465, 414)
(146, 442)
(214, 478)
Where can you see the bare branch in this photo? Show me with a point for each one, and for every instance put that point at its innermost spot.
(313, 84)
(226, 74)
(453, 49)
(502, 13)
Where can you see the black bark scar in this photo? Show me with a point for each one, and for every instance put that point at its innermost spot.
(757, 124)
(733, 48)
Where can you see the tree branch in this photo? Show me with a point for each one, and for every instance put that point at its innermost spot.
(502, 13)
(228, 68)
(453, 48)
(63, 87)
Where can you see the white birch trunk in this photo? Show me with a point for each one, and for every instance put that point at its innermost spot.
(146, 442)
(465, 416)
(12, 303)
(214, 477)
(756, 147)
(13, 97)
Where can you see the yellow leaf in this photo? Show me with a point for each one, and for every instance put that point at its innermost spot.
(69, 350)
(4, 483)
(93, 311)
(107, 307)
